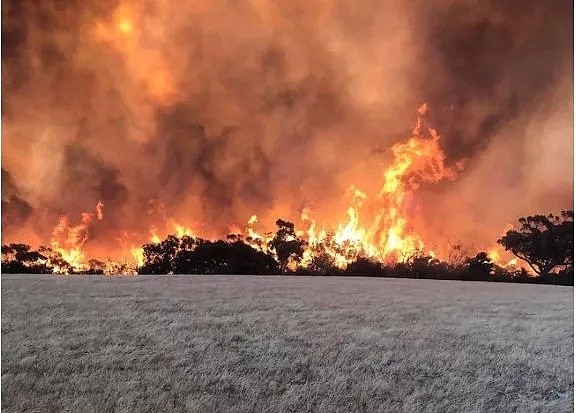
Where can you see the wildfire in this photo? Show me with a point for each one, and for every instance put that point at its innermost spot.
(215, 120)
(388, 235)
(496, 257)
(255, 239)
(68, 240)
(154, 237)
(182, 231)
(138, 254)
(125, 26)
(146, 64)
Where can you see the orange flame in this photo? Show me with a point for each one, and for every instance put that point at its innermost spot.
(389, 236)
(69, 240)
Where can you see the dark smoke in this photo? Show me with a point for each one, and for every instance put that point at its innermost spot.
(15, 210)
(490, 63)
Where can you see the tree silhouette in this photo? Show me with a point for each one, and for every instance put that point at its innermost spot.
(546, 243)
(323, 264)
(288, 247)
(423, 266)
(159, 257)
(189, 255)
(480, 267)
(55, 261)
(21, 259)
(365, 266)
(222, 257)
(96, 267)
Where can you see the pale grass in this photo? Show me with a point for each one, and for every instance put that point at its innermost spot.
(284, 344)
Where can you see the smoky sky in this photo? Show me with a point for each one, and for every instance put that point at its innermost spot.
(219, 110)
(504, 55)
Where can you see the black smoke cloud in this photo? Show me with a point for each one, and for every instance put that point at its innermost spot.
(15, 209)
(218, 110)
(490, 62)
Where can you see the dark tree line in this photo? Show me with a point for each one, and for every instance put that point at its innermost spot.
(22, 259)
(546, 243)
(188, 255)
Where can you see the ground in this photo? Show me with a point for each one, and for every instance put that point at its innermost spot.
(284, 344)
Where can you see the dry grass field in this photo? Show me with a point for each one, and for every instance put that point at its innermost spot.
(284, 344)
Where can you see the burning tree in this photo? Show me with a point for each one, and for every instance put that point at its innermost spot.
(20, 258)
(288, 247)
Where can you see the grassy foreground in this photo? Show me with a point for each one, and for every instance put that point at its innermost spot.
(284, 344)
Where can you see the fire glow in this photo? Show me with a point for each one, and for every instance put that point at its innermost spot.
(388, 236)
(133, 120)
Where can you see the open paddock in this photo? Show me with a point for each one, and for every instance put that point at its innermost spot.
(284, 344)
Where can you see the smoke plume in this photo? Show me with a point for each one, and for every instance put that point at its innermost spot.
(206, 112)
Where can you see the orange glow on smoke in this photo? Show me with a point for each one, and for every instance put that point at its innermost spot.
(386, 235)
(125, 26)
(384, 232)
(145, 64)
(197, 117)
